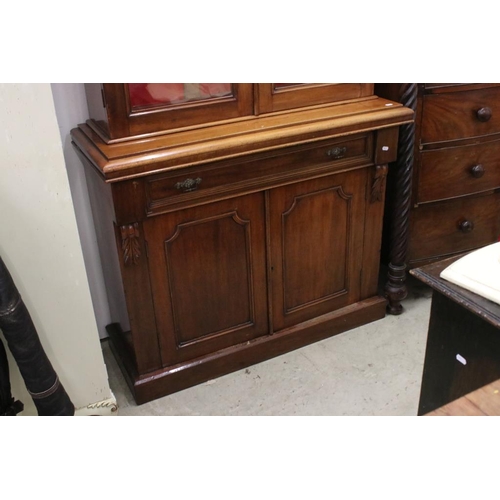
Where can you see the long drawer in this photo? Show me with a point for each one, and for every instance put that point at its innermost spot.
(454, 226)
(176, 187)
(458, 115)
(451, 172)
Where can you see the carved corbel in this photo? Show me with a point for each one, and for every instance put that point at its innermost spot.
(130, 243)
(378, 183)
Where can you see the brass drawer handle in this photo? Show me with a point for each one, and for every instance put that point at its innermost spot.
(484, 114)
(477, 171)
(337, 152)
(188, 185)
(466, 226)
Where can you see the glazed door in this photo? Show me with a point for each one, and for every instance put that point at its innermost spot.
(282, 96)
(208, 274)
(316, 246)
(144, 108)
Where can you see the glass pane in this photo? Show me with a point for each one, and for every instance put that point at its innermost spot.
(152, 94)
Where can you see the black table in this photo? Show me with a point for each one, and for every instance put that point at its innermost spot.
(463, 343)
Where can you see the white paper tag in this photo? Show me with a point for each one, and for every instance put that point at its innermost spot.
(461, 359)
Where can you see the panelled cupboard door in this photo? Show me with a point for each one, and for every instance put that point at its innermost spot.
(208, 274)
(316, 246)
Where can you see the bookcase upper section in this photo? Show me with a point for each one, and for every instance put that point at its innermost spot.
(119, 111)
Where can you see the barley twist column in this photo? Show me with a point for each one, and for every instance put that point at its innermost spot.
(395, 288)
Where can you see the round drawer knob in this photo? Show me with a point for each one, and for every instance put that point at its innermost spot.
(484, 114)
(477, 171)
(466, 226)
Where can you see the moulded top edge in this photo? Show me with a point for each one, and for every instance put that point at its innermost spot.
(229, 140)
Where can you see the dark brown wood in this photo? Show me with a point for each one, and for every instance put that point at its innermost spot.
(453, 116)
(395, 288)
(313, 224)
(455, 157)
(463, 224)
(132, 310)
(465, 170)
(225, 178)
(484, 114)
(130, 243)
(208, 272)
(143, 335)
(477, 171)
(372, 232)
(429, 274)
(177, 377)
(437, 88)
(377, 191)
(463, 344)
(240, 240)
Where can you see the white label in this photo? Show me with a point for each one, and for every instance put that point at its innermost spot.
(461, 359)
(385, 148)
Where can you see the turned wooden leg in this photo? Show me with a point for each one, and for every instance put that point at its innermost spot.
(395, 288)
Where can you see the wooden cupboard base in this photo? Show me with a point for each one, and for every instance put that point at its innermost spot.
(178, 377)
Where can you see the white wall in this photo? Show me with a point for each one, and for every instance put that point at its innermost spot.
(40, 245)
(71, 109)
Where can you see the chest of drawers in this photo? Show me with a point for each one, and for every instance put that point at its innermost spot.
(455, 197)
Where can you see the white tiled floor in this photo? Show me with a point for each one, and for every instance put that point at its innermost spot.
(373, 370)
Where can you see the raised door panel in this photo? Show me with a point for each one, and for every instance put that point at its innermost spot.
(316, 246)
(208, 272)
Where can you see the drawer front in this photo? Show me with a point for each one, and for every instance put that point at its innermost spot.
(212, 180)
(458, 115)
(451, 227)
(447, 173)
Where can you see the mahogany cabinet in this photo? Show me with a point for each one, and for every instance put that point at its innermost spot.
(455, 181)
(227, 239)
